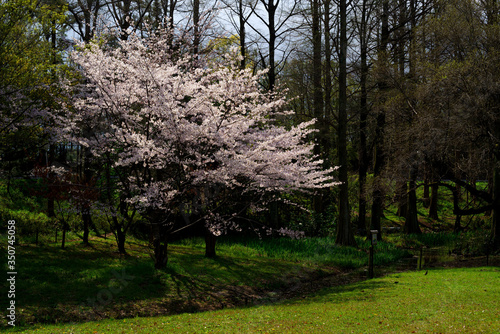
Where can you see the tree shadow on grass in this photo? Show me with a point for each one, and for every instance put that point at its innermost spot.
(57, 285)
(92, 283)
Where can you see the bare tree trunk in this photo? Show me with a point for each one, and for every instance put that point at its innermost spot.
(50, 200)
(271, 9)
(85, 210)
(242, 34)
(86, 218)
(160, 247)
(495, 222)
(120, 238)
(319, 148)
(426, 197)
(63, 241)
(402, 198)
(273, 216)
(401, 184)
(433, 205)
(379, 154)
(171, 11)
(411, 224)
(196, 27)
(457, 227)
(345, 235)
(458, 218)
(327, 95)
(328, 70)
(363, 117)
(210, 243)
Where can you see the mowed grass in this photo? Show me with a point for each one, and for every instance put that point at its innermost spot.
(81, 283)
(464, 300)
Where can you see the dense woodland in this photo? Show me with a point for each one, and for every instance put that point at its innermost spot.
(170, 118)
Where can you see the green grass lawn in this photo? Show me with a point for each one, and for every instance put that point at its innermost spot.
(83, 283)
(443, 301)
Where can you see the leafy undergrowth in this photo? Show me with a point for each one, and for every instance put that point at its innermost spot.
(460, 300)
(314, 251)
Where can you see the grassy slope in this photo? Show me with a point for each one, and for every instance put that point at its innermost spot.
(443, 301)
(81, 283)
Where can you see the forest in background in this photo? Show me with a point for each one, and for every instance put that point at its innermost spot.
(405, 94)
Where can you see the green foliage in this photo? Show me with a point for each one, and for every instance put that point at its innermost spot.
(313, 224)
(27, 222)
(29, 64)
(25, 53)
(16, 204)
(472, 243)
(317, 251)
(420, 240)
(15, 195)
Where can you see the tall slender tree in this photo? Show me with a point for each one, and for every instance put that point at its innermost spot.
(277, 16)
(345, 234)
(379, 154)
(364, 29)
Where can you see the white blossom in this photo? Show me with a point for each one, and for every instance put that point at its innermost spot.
(200, 131)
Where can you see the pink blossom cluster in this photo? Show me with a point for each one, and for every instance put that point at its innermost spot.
(188, 132)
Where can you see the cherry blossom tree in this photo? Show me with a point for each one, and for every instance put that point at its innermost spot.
(196, 140)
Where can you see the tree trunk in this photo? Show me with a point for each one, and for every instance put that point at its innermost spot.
(63, 241)
(86, 177)
(196, 27)
(120, 241)
(362, 203)
(433, 205)
(273, 217)
(458, 227)
(411, 224)
(458, 218)
(495, 223)
(50, 208)
(271, 9)
(242, 35)
(402, 198)
(379, 154)
(363, 121)
(426, 198)
(345, 235)
(160, 247)
(50, 200)
(210, 242)
(378, 199)
(402, 39)
(86, 227)
(160, 254)
(319, 147)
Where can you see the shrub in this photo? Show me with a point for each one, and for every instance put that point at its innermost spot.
(472, 243)
(27, 222)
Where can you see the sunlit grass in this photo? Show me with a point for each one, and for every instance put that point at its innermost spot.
(61, 285)
(441, 301)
